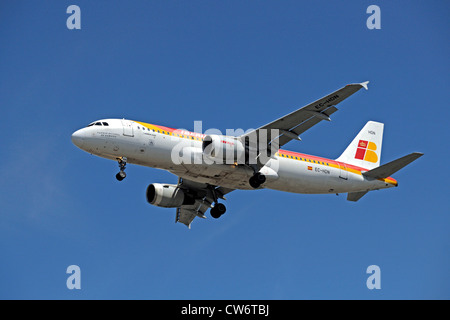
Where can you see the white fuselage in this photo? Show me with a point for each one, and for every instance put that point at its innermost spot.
(160, 147)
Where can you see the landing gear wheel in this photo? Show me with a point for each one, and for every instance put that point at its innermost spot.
(257, 180)
(218, 210)
(122, 164)
(121, 175)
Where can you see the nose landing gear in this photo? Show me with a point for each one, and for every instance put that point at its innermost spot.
(122, 164)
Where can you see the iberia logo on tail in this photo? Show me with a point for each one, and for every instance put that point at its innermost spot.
(366, 151)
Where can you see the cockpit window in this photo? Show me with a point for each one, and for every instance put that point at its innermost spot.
(98, 124)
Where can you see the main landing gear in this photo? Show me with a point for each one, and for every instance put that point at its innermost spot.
(257, 180)
(218, 210)
(122, 164)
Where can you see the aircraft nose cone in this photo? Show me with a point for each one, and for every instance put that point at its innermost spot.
(78, 138)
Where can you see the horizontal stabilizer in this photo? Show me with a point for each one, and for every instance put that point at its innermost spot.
(355, 196)
(390, 168)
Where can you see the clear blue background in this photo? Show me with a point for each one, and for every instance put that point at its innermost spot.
(231, 64)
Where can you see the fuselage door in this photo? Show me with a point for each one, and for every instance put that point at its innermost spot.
(127, 128)
(343, 173)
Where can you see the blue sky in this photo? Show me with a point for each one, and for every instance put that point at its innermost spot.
(231, 64)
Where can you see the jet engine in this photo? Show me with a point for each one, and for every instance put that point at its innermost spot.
(167, 195)
(223, 149)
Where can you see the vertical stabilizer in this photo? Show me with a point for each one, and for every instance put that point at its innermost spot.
(365, 149)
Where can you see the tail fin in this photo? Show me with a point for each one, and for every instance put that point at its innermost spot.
(365, 149)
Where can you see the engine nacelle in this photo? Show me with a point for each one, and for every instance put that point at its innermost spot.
(166, 195)
(223, 149)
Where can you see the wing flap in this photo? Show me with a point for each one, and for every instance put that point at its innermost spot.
(304, 126)
(186, 216)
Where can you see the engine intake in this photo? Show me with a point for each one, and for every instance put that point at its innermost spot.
(167, 195)
(223, 149)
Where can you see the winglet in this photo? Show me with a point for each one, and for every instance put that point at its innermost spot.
(364, 85)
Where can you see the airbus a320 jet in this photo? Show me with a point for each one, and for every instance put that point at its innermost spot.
(209, 166)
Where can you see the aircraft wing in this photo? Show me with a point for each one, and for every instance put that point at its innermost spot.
(204, 194)
(289, 127)
(187, 215)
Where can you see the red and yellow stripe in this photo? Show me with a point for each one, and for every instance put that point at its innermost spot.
(184, 134)
(330, 163)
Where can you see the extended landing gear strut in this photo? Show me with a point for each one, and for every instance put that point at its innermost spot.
(122, 164)
(257, 180)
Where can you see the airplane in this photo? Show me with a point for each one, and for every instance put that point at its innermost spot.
(209, 166)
